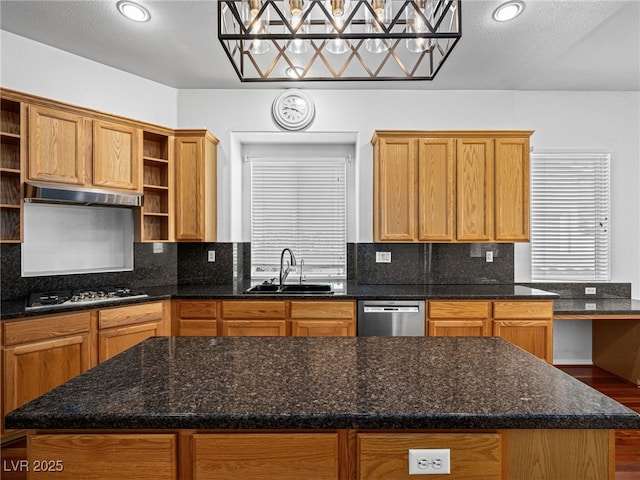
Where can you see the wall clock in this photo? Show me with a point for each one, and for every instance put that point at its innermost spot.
(293, 110)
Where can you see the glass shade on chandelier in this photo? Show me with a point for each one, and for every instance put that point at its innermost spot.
(338, 39)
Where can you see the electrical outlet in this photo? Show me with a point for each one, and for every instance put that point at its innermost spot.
(158, 247)
(589, 306)
(383, 257)
(432, 461)
(590, 290)
(211, 256)
(488, 256)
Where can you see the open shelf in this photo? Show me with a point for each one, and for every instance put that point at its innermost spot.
(157, 186)
(11, 144)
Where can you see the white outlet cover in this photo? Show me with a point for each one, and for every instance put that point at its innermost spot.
(431, 461)
(211, 256)
(383, 257)
(158, 247)
(590, 290)
(489, 256)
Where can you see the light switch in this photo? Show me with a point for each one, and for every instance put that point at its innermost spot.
(158, 247)
(211, 256)
(383, 257)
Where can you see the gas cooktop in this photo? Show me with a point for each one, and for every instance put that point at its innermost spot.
(66, 298)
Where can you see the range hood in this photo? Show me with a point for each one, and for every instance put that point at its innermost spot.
(47, 193)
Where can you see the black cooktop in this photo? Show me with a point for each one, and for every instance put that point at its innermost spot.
(87, 296)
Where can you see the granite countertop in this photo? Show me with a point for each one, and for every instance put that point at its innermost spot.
(323, 383)
(349, 290)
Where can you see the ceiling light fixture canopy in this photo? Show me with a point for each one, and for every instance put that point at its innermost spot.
(338, 39)
(133, 11)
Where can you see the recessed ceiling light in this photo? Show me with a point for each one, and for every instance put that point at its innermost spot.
(133, 11)
(508, 11)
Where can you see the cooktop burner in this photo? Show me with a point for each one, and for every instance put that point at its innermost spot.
(65, 298)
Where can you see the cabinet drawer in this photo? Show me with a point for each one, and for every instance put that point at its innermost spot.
(198, 327)
(106, 456)
(530, 310)
(322, 309)
(474, 456)
(43, 328)
(266, 456)
(253, 309)
(202, 309)
(117, 317)
(453, 309)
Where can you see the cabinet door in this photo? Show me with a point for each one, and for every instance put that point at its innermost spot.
(32, 369)
(253, 328)
(117, 160)
(395, 190)
(512, 189)
(194, 318)
(534, 336)
(323, 318)
(56, 146)
(105, 456)
(459, 318)
(113, 341)
(474, 179)
(436, 190)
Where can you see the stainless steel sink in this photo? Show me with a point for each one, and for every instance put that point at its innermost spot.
(299, 289)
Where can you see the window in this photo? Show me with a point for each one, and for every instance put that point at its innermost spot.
(570, 216)
(300, 204)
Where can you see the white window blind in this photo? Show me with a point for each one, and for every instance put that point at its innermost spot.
(299, 204)
(570, 216)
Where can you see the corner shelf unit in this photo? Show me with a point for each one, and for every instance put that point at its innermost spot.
(157, 224)
(12, 128)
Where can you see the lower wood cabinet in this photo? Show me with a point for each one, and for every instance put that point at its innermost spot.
(473, 456)
(41, 353)
(319, 455)
(264, 317)
(266, 456)
(527, 324)
(123, 327)
(103, 456)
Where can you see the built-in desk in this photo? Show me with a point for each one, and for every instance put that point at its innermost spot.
(616, 332)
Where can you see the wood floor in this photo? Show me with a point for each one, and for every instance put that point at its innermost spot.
(627, 441)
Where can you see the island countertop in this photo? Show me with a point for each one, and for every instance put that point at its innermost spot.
(323, 383)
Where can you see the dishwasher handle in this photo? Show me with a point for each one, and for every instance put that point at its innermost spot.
(391, 309)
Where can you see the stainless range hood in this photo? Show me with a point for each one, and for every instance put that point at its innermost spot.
(45, 193)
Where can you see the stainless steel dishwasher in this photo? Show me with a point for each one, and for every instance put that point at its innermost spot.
(391, 318)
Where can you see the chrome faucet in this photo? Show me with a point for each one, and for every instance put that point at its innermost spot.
(285, 271)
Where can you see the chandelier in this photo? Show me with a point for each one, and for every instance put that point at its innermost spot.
(293, 40)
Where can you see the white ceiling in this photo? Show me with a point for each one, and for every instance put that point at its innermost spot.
(553, 45)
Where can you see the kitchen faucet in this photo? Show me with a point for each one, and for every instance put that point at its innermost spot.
(285, 271)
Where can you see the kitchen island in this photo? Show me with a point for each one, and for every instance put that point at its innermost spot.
(322, 408)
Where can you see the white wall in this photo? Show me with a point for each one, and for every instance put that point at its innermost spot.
(38, 69)
(598, 120)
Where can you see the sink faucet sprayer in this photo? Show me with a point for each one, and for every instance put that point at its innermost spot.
(285, 271)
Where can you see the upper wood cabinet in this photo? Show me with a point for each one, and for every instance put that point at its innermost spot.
(459, 186)
(116, 156)
(196, 186)
(12, 153)
(56, 145)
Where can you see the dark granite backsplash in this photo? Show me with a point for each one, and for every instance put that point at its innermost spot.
(150, 269)
(577, 289)
(186, 264)
(434, 263)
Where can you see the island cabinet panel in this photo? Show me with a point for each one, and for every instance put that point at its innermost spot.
(253, 328)
(40, 354)
(253, 318)
(123, 327)
(474, 456)
(266, 456)
(322, 319)
(459, 318)
(561, 454)
(194, 318)
(56, 145)
(103, 456)
(528, 324)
